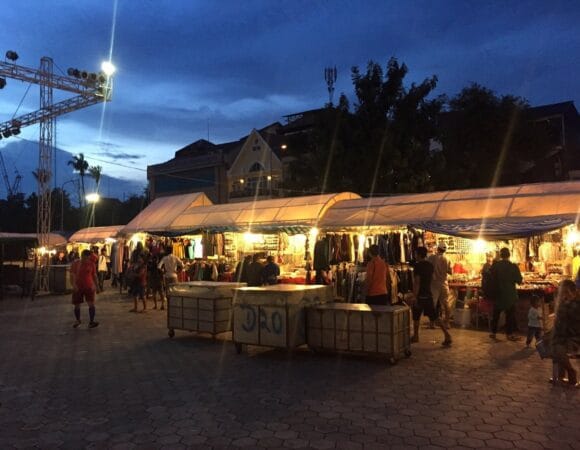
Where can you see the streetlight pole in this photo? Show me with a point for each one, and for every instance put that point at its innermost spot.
(62, 202)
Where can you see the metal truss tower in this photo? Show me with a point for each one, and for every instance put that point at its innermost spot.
(90, 88)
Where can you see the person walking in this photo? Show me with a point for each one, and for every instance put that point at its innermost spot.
(102, 268)
(139, 284)
(83, 278)
(424, 301)
(505, 275)
(377, 272)
(566, 333)
(439, 285)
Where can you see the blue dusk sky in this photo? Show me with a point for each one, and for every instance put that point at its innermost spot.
(187, 69)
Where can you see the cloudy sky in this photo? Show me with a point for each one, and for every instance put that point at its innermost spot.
(192, 68)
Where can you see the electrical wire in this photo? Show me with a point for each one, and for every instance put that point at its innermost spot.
(21, 100)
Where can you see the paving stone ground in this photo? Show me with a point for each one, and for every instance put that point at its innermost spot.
(127, 385)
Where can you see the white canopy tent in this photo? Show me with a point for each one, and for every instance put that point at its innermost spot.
(259, 215)
(528, 208)
(93, 235)
(54, 239)
(162, 211)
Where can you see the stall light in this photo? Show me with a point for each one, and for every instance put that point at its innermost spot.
(479, 246)
(269, 177)
(252, 238)
(573, 237)
(314, 232)
(361, 240)
(242, 181)
(135, 238)
(42, 251)
(110, 240)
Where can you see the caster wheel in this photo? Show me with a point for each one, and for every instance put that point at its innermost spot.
(171, 333)
(392, 361)
(238, 348)
(408, 353)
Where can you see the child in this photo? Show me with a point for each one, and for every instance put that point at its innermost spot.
(534, 321)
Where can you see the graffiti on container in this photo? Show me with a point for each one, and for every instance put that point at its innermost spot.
(271, 323)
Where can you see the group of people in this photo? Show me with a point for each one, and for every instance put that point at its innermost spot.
(149, 273)
(430, 287)
(253, 272)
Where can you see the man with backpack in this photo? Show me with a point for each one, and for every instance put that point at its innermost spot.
(83, 277)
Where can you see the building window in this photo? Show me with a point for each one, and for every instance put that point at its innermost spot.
(256, 167)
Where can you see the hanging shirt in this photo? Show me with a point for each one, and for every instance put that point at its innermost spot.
(103, 263)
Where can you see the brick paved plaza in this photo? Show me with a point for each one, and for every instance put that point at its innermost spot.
(125, 384)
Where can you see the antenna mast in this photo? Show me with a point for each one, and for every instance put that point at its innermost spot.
(330, 74)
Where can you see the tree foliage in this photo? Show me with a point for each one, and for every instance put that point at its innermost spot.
(80, 165)
(486, 140)
(382, 146)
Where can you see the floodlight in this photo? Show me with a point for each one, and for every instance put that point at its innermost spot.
(11, 55)
(84, 74)
(108, 68)
(93, 77)
(15, 131)
(93, 198)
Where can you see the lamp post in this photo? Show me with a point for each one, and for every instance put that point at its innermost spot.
(62, 201)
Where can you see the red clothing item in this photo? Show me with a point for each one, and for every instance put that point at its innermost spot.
(84, 271)
(376, 278)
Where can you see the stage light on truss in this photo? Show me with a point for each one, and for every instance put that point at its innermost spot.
(2, 83)
(11, 55)
(108, 68)
(7, 133)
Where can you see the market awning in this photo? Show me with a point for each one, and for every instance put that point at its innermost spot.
(93, 235)
(503, 205)
(294, 213)
(495, 229)
(54, 239)
(162, 211)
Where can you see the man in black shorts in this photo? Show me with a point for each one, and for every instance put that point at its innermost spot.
(424, 304)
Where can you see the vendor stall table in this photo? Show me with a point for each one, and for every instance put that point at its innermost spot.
(59, 279)
(543, 290)
(351, 327)
(202, 306)
(274, 315)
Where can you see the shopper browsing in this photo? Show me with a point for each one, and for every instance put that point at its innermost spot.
(376, 278)
(425, 304)
(505, 276)
(170, 264)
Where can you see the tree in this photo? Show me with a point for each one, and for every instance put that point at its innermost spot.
(80, 165)
(95, 172)
(380, 147)
(486, 140)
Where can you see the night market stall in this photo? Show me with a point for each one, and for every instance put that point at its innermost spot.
(19, 257)
(537, 222)
(282, 228)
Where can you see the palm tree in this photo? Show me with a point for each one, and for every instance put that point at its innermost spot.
(95, 172)
(80, 165)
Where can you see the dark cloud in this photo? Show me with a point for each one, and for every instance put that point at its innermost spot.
(185, 66)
